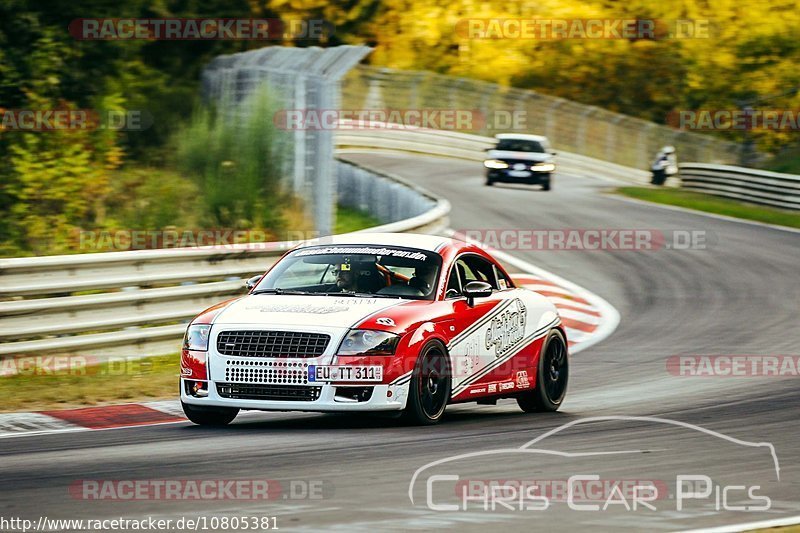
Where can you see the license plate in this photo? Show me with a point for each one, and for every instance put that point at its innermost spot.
(331, 374)
(519, 173)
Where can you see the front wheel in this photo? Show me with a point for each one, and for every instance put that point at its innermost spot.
(209, 416)
(546, 183)
(551, 377)
(430, 386)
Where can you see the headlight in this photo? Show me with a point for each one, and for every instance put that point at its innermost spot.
(197, 337)
(544, 167)
(494, 163)
(369, 342)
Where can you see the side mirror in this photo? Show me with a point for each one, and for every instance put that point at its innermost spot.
(252, 282)
(552, 152)
(476, 289)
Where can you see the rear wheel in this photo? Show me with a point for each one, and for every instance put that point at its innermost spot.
(430, 386)
(209, 416)
(551, 377)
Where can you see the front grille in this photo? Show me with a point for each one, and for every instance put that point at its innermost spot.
(246, 391)
(272, 343)
(266, 372)
(527, 162)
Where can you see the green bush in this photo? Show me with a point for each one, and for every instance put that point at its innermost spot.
(152, 198)
(235, 156)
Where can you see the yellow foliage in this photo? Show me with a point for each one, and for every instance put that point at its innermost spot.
(61, 179)
(748, 52)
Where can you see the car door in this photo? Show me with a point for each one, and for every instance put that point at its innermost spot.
(470, 353)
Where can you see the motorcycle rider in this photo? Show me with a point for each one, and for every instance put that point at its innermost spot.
(665, 165)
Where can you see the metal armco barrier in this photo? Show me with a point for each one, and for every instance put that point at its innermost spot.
(751, 185)
(141, 300)
(393, 139)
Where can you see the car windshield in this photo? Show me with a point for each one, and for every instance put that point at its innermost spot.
(520, 145)
(360, 270)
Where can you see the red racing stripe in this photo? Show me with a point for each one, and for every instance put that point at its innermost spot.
(572, 297)
(531, 280)
(112, 416)
(583, 310)
(576, 324)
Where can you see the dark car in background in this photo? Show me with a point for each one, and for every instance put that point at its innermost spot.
(520, 158)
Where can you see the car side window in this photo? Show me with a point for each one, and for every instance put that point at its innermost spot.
(502, 279)
(470, 268)
(479, 269)
(453, 284)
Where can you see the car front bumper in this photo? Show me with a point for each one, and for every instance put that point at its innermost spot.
(283, 383)
(328, 399)
(532, 175)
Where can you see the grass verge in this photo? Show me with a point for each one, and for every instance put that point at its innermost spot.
(37, 388)
(713, 204)
(348, 220)
(119, 381)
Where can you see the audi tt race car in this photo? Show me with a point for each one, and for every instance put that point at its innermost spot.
(520, 158)
(375, 322)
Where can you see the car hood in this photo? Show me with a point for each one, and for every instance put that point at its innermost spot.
(525, 156)
(288, 310)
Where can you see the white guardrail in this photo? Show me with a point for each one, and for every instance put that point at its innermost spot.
(468, 147)
(137, 302)
(751, 185)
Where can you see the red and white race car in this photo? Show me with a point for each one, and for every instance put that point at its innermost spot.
(375, 322)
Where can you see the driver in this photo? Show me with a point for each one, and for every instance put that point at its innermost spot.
(423, 278)
(346, 277)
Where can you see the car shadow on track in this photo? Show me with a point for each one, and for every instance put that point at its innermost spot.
(517, 187)
(453, 419)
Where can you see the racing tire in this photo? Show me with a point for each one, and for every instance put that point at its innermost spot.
(430, 386)
(552, 376)
(209, 416)
(546, 184)
(489, 181)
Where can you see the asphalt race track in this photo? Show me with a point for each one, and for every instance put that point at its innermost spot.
(740, 295)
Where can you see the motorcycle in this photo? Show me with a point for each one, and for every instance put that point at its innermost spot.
(662, 168)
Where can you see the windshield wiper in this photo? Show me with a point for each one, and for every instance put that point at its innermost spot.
(280, 291)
